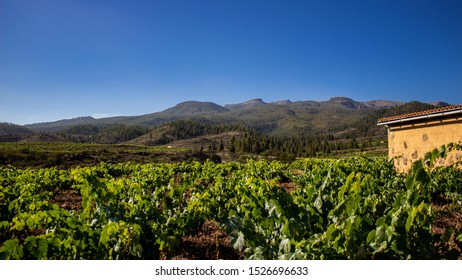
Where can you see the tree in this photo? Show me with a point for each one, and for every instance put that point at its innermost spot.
(222, 146)
(232, 145)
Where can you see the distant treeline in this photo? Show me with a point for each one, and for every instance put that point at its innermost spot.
(249, 141)
(107, 134)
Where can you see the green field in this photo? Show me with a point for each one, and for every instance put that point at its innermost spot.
(350, 208)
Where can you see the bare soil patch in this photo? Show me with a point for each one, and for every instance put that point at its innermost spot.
(288, 186)
(68, 199)
(209, 243)
(447, 216)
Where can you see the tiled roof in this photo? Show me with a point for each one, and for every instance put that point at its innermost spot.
(421, 113)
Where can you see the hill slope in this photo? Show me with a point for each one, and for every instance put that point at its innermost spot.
(15, 133)
(340, 117)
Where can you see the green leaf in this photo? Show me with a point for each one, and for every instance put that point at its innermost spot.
(29, 243)
(286, 229)
(383, 246)
(459, 240)
(370, 236)
(4, 225)
(285, 245)
(42, 248)
(271, 207)
(11, 250)
(239, 244)
(318, 202)
(381, 234)
(410, 218)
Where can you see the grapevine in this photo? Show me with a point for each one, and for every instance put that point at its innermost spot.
(351, 208)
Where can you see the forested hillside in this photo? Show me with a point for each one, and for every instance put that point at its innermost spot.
(282, 129)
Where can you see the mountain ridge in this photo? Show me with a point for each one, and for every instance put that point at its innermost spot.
(282, 129)
(252, 103)
(270, 117)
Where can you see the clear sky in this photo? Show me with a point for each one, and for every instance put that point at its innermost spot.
(69, 58)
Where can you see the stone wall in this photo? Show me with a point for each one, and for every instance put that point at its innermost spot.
(410, 142)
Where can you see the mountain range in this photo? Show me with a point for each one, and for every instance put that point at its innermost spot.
(244, 111)
(338, 116)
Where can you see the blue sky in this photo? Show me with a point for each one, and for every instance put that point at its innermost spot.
(69, 58)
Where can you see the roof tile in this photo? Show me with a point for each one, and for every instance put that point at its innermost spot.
(421, 113)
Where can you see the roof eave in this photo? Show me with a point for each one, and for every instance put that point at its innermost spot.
(428, 116)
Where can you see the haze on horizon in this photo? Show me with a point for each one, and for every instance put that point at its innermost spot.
(65, 59)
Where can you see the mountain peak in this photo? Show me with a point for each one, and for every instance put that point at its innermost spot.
(247, 104)
(195, 108)
(439, 104)
(340, 99)
(259, 100)
(347, 102)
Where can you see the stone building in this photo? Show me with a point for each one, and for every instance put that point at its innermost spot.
(411, 136)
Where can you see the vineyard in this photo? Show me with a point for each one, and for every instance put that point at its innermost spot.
(352, 208)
